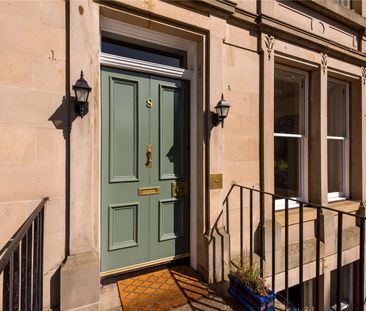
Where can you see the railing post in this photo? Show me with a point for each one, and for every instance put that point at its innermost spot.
(317, 273)
(15, 298)
(228, 224)
(286, 250)
(23, 281)
(41, 259)
(227, 215)
(251, 227)
(273, 243)
(6, 287)
(339, 260)
(261, 226)
(28, 298)
(362, 264)
(301, 254)
(35, 264)
(241, 227)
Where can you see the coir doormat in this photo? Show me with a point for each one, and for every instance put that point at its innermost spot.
(161, 290)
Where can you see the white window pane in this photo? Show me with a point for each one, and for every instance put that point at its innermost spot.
(289, 102)
(287, 166)
(137, 50)
(336, 109)
(335, 165)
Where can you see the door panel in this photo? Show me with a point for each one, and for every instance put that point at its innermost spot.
(123, 225)
(169, 140)
(169, 230)
(125, 217)
(124, 130)
(171, 215)
(142, 112)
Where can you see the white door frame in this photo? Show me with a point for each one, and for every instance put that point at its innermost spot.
(189, 74)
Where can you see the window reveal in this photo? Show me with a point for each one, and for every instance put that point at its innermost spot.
(289, 132)
(337, 111)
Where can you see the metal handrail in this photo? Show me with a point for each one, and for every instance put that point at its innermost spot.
(19, 235)
(21, 264)
(301, 204)
(306, 204)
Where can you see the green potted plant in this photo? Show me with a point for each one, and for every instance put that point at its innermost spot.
(249, 288)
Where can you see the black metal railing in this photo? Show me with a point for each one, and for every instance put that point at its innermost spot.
(21, 265)
(270, 199)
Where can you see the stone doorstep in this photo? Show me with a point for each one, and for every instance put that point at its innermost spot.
(109, 298)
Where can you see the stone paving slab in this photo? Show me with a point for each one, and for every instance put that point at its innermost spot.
(219, 299)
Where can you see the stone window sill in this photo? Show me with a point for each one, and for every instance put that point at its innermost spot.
(310, 213)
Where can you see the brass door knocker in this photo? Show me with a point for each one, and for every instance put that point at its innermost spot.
(149, 156)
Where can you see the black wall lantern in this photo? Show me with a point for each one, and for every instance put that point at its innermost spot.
(82, 90)
(222, 110)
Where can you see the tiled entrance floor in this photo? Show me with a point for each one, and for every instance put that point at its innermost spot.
(161, 290)
(176, 288)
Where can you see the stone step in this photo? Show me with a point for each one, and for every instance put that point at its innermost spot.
(350, 239)
(309, 228)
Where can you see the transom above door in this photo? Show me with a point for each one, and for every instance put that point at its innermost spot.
(145, 168)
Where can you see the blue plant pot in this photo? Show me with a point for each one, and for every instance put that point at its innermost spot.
(250, 300)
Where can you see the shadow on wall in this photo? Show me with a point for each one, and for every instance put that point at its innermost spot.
(55, 290)
(62, 119)
(219, 247)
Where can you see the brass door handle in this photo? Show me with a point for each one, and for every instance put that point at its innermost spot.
(149, 156)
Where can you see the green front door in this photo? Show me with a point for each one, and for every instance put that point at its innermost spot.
(145, 168)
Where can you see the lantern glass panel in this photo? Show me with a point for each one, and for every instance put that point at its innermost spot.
(81, 94)
(224, 111)
(218, 110)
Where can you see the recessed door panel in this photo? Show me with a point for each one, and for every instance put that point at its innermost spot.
(170, 140)
(123, 130)
(123, 225)
(171, 219)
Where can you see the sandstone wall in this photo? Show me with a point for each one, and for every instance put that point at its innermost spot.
(32, 145)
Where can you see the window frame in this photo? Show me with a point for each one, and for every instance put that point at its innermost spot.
(339, 196)
(303, 182)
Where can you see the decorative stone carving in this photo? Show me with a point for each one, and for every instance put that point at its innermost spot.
(269, 42)
(363, 72)
(317, 27)
(324, 61)
(317, 24)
